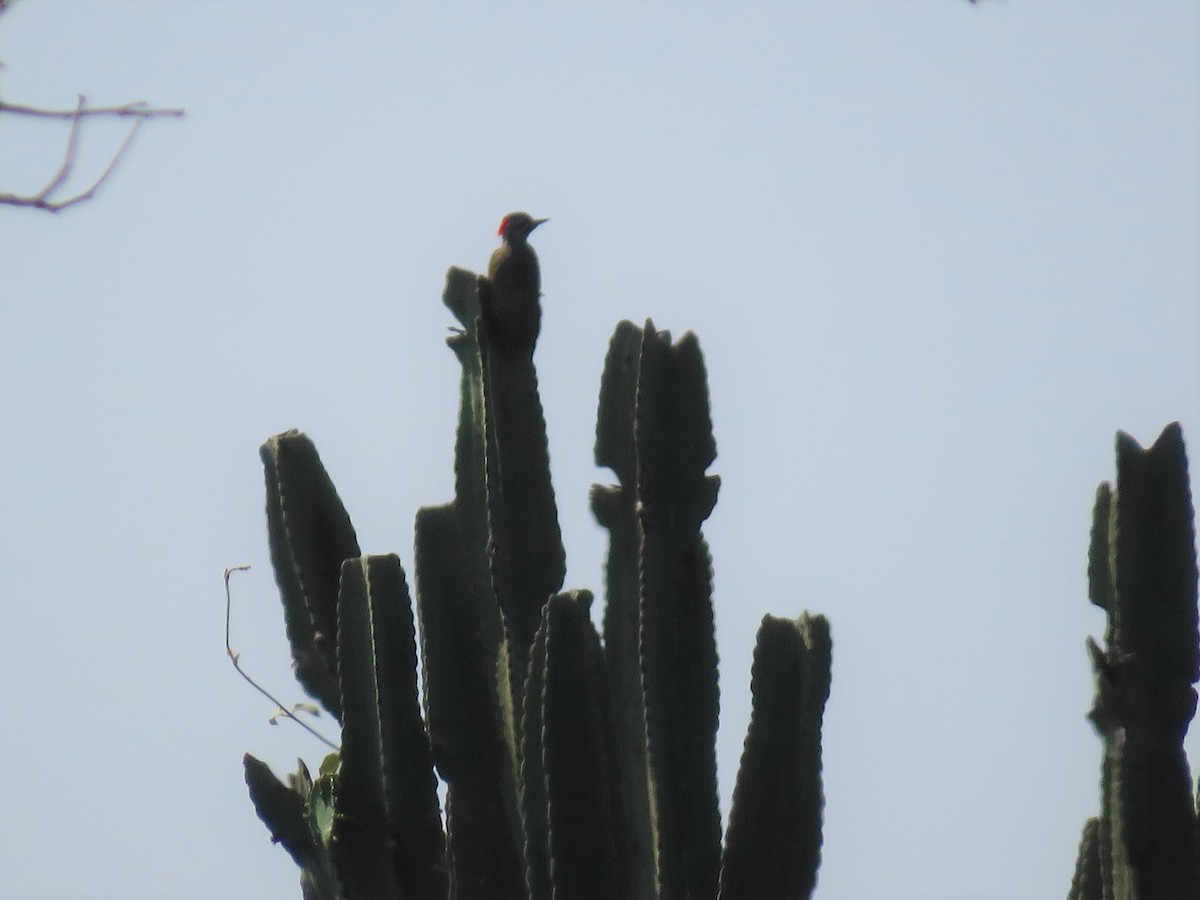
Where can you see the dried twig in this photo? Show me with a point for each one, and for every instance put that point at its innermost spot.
(44, 198)
(139, 109)
(235, 657)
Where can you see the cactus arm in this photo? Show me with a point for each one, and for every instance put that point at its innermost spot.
(469, 710)
(1155, 558)
(1100, 575)
(1113, 866)
(281, 809)
(460, 633)
(618, 398)
(461, 297)
(528, 561)
(579, 793)
(615, 508)
(360, 826)
(1087, 882)
(467, 528)
(773, 844)
(679, 655)
(409, 788)
(310, 534)
(1155, 643)
(470, 474)
(1142, 565)
(287, 812)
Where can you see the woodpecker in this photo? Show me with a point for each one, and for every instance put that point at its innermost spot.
(510, 294)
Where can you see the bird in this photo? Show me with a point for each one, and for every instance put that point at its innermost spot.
(509, 296)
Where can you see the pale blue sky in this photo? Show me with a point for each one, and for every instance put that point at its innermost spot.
(936, 255)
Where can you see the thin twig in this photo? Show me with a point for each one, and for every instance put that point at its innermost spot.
(138, 109)
(59, 205)
(68, 163)
(235, 657)
(42, 199)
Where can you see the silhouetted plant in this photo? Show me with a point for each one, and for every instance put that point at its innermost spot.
(574, 767)
(1142, 572)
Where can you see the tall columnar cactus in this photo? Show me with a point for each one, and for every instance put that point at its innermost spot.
(574, 767)
(1145, 845)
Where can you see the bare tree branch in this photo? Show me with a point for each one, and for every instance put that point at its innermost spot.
(44, 199)
(138, 109)
(68, 163)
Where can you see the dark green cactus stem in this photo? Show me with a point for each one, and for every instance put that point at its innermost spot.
(525, 542)
(360, 848)
(573, 746)
(460, 631)
(773, 843)
(282, 810)
(310, 535)
(387, 830)
(615, 508)
(469, 710)
(1101, 589)
(1142, 568)
(470, 441)
(1088, 881)
(298, 815)
(572, 811)
(679, 653)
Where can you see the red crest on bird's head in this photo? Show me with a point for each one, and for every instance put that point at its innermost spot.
(519, 223)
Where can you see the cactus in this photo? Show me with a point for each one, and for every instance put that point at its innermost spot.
(574, 767)
(1145, 844)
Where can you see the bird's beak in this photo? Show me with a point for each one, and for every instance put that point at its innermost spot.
(536, 223)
